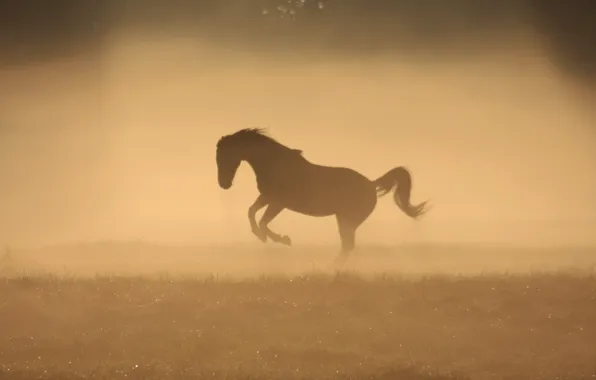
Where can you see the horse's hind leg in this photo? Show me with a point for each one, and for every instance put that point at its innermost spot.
(347, 234)
(271, 212)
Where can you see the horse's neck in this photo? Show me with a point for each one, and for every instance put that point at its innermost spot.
(259, 164)
(262, 162)
(256, 166)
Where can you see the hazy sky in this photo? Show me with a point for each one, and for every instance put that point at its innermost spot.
(120, 144)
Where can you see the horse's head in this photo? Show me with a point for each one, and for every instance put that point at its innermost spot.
(252, 145)
(228, 157)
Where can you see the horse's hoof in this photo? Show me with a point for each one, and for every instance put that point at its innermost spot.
(340, 261)
(261, 236)
(285, 240)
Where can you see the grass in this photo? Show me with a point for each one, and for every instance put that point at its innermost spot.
(309, 326)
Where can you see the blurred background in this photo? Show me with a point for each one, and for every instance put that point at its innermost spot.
(110, 112)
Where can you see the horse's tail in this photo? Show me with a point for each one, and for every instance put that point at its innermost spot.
(400, 179)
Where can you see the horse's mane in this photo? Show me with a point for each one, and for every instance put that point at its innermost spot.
(256, 135)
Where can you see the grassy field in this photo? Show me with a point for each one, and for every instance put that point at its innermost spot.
(62, 321)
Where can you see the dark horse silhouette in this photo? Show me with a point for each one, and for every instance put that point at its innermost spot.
(287, 180)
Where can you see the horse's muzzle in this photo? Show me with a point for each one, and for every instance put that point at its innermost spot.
(225, 185)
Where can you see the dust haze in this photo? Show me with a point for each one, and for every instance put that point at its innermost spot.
(118, 144)
(122, 258)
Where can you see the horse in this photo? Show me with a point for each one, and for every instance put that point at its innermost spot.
(287, 180)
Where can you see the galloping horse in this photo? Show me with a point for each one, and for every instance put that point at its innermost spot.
(287, 180)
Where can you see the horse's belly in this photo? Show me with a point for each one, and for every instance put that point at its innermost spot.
(312, 209)
(323, 202)
(308, 200)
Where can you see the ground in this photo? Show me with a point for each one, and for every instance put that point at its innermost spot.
(538, 322)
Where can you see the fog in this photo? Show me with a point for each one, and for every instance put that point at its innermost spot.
(120, 144)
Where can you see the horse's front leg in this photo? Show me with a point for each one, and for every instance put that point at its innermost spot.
(271, 212)
(259, 203)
